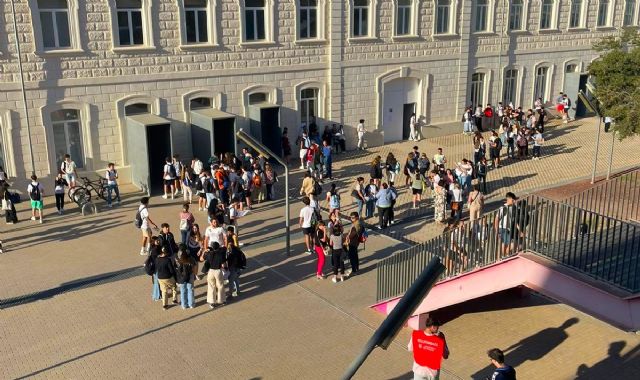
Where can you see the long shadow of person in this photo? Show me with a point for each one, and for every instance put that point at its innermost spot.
(620, 367)
(532, 348)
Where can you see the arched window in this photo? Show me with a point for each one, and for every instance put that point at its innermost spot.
(258, 97)
(477, 89)
(308, 105)
(546, 14)
(516, 15)
(136, 109)
(540, 85)
(200, 103)
(67, 136)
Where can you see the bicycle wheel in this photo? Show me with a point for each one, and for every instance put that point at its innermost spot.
(80, 195)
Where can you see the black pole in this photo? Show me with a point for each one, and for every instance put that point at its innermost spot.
(390, 327)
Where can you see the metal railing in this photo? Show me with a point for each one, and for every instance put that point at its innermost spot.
(618, 198)
(605, 248)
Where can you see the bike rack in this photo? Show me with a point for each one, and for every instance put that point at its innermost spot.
(88, 206)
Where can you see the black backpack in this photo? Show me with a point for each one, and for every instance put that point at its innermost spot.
(317, 188)
(199, 184)
(172, 170)
(208, 186)
(498, 144)
(150, 266)
(35, 192)
(137, 222)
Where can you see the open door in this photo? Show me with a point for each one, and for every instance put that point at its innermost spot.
(148, 144)
(571, 87)
(408, 110)
(265, 125)
(212, 132)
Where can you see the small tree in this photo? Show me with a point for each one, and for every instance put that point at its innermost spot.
(617, 80)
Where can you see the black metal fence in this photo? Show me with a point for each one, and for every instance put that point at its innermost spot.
(602, 247)
(618, 198)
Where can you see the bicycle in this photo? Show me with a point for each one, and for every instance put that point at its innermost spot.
(82, 194)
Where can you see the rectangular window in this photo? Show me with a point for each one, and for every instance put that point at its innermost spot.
(129, 14)
(515, 15)
(629, 12)
(308, 19)
(308, 105)
(54, 24)
(575, 14)
(477, 89)
(540, 86)
(546, 14)
(443, 15)
(195, 14)
(360, 18)
(482, 14)
(510, 86)
(603, 13)
(403, 18)
(254, 20)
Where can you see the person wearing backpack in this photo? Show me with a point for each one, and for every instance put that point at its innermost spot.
(186, 221)
(186, 270)
(36, 194)
(207, 184)
(150, 268)
(257, 181)
(333, 198)
(178, 169)
(199, 188)
(169, 177)
(247, 186)
(353, 241)
(166, 272)
(270, 178)
(188, 183)
(143, 222)
(167, 239)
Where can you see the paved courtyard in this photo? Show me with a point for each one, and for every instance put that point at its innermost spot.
(75, 302)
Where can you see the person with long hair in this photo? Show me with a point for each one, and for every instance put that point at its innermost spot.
(333, 198)
(416, 190)
(186, 270)
(376, 170)
(439, 201)
(320, 243)
(336, 254)
(358, 194)
(410, 168)
(393, 167)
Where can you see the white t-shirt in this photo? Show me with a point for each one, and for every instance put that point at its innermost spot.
(360, 129)
(306, 214)
(412, 121)
(68, 167)
(167, 171)
(144, 214)
(215, 234)
(537, 139)
(31, 186)
(197, 167)
(111, 177)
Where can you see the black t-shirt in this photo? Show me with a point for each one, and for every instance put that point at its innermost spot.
(214, 259)
(318, 238)
(504, 373)
(165, 267)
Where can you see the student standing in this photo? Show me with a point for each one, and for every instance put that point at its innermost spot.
(538, 140)
(59, 185)
(413, 124)
(335, 242)
(145, 225)
(186, 272)
(320, 243)
(36, 194)
(214, 262)
(112, 183)
(361, 130)
(169, 177)
(333, 198)
(68, 167)
(353, 241)
(186, 221)
(307, 213)
(166, 271)
(502, 371)
(11, 216)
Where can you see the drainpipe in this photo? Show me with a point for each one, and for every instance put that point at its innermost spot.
(24, 93)
(501, 34)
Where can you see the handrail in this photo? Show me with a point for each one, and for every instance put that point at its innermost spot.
(603, 247)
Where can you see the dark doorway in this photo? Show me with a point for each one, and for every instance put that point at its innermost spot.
(201, 142)
(224, 136)
(581, 110)
(407, 111)
(270, 129)
(159, 148)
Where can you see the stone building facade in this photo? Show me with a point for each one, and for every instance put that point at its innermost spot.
(99, 74)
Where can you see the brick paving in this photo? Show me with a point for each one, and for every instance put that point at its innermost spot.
(75, 302)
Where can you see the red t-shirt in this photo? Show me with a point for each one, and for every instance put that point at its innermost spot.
(428, 349)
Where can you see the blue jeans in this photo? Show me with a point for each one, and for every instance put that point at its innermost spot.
(371, 207)
(184, 235)
(186, 294)
(359, 204)
(112, 188)
(234, 284)
(155, 289)
(327, 167)
(466, 127)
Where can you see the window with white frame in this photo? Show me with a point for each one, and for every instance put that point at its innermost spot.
(516, 15)
(510, 86)
(546, 14)
(308, 19)
(308, 105)
(477, 89)
(403, 17)
(254, 20)
(443, 17)
(360, 18)
(54, 24)
(575, 14)
(481, 23)
(196, 21)
(130, 23)
(540, 84)
(629, 12)
(603, 13)
(67, 138)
